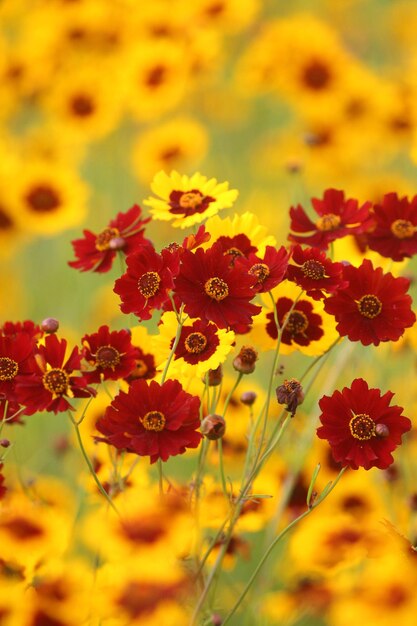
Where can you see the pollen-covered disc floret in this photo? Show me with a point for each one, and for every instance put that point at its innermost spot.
(369, 306)
(148, 284)
(8, 368)
(216, 288)
(361, 426)
(314, 272)
(56, 380)
(153, 420)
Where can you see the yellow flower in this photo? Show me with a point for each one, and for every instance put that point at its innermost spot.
(47, 200)
(188, 200)
(182, 142)
(246, 224)
(225, 15)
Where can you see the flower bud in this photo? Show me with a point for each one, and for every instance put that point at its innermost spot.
(381, 430)
(50, 325)
(117, 243)
(5, 443)
(214, 377)
(213, 427)
(291, 394)
(216, 619)
(245, 360)
(248, 397)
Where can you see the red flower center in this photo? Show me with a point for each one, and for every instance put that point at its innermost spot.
(107, 356)
(154, 420)
(328, 222)
(295, 322)
(148, 284)
(402, 229)
(216, 288)
(56, 380)
(195, 343)
(104, 238)
(8, 368)
(261, 271)
(362, 427)
(313, 269)
(191, 200)
(316, 75)
(369, 306)
(43, 199)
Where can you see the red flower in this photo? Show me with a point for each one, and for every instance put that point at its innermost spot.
(12, 329)
(238, 246)
(144, 366)
(337, 218)
(152, 420)
(197, 342)
(302, 325)
(145, 285)
(314, 272)
(395, 232)
(16, 358)
(110, 353)
(374, 307)
(51, 382)
(361, 426)
(214, 291)
(270, 270)
(96, 252)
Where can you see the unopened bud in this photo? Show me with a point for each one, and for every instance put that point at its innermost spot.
(245, 360)
(5, 443)
(50, 325)
(248, 397)
(117, 243)
(392, 474)
(213, 378)
(213, 427)
(216, 619)
(382, 431)
(291, 394)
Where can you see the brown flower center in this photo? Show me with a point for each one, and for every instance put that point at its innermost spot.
(296, 322)
(316, 75)
(141, 369)
(234, 252)
(104, 238)
(195, 343)
(43, 199)
(402, 229)
(216, 288)
(56, 380)
(154, 420)
(261, 271)
(82, 105)
(369, 306)
(327, 222)
(313, 269)
(362, 427)
(191, 200)
(148, 284)
(8, 368)
(107, 356)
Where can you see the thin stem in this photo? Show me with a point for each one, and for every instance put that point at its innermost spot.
(174, 347)
(221, 468)
(90, 467)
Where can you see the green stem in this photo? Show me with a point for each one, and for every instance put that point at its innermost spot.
(221, 468)
(174, 347)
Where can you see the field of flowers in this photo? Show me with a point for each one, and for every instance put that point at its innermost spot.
(208, 224)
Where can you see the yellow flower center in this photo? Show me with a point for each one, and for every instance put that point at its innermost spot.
(191, 200)
(56, 381)
(261, 271)
(107, 356)
(402, 229)
(313, 269)
(369, 306)
(195, 343)
(8, 368)
(148, 284)
(327, 222)
(104, 238)
(362, 427)
(296, 322)
(216, 288)
(154, 420)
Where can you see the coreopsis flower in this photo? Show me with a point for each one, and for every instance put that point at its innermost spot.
(52, 381)
(152, 420)
(270, 270)
(96, 252)
(302, 324)
(188, 200)
(314, 272)
(374, 307)
(110, 353)
(361, 426)
(337, 217)
(146, 282)
(16, 359)
(395, 232)
(214, 291)
(13, 329)
(145, 359)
